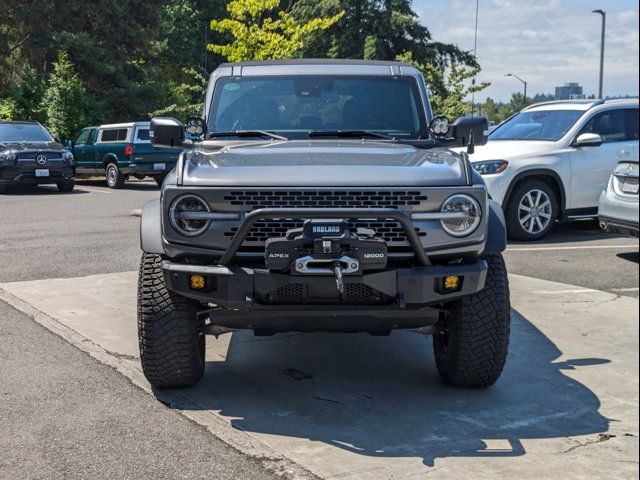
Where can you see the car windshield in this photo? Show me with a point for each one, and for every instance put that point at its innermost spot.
(295, 106)
(549, 125)
(23, 132)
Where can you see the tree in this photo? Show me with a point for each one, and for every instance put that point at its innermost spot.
(260, 33)
(65, 99)
(187, 97)
(448, 86)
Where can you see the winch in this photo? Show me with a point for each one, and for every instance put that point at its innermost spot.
(326, 247)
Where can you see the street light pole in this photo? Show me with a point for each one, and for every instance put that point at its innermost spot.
(604, 21)
(525, 86)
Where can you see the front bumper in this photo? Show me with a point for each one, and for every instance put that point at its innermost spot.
(26, 176)
(245, 288)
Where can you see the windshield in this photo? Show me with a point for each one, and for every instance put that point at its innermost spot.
(294, 106)
(550, 125)
(23, 132)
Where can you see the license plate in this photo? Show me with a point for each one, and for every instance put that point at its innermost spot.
(159, 166)
(630, 185)
(42, 172)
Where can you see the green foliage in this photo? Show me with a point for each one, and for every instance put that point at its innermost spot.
(449, 87)
(187, 96)
(259, 33)
(65, 99)
(7, 109)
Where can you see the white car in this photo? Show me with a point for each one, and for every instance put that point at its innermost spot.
(552, 160)
(618, 212)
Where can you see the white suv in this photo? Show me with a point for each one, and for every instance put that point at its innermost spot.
(552, 160)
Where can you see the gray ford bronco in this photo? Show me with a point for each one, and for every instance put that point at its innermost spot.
(322, 195)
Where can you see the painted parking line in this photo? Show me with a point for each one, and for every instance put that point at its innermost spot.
(632, 289)
(90, 189)
(575, 247)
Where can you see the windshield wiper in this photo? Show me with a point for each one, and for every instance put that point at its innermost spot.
(349, 134)
(248, 133)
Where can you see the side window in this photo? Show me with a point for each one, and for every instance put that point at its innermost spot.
(109, 136)
(610, 125)
(632, 123)
(114, 135)
(142, 135)
(82, 138)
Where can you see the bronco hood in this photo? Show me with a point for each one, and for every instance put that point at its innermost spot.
(323, 163)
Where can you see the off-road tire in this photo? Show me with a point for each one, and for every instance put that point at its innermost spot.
(172, 347)
(473, 348)
(115, 178)
(66, 187)
(514, 228)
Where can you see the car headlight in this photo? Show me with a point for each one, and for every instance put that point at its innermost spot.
(189, 215)
(67, 157)
(464, 215)
(490, 167)
(8, 156)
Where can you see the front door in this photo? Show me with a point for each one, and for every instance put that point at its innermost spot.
(591, 167)
(84, 151)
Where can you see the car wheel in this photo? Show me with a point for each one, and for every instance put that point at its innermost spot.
(172, 346)
(115, 178)
(3, 188)
(532, 211)
(66, 187)
(472, 347)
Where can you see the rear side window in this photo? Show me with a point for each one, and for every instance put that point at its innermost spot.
(142, 135)
(632, 123)
(114, 135)
(610, 125)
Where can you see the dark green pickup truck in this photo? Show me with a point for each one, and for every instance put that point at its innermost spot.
(119, 151)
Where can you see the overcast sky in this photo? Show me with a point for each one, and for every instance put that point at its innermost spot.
(546, 42)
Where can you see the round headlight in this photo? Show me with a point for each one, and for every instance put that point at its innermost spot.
(182, 221)
(466, 218)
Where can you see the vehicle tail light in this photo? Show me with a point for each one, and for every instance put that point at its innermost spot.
(128, 150)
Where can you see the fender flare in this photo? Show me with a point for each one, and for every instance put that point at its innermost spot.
(151, 228)
(496, 230)
(536, 172)
(110, 158)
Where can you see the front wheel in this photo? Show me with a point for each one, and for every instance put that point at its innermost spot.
(532, 210)
(172, 346)
(472, 348)
(66, 187)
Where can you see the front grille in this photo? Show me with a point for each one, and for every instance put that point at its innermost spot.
(390, 231)
(325, 199)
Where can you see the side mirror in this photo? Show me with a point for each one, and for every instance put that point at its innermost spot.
(166, 132)
(469, 131)
(587, 140)
(69, 144)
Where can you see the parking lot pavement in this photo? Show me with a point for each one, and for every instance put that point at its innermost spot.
(47, 234)
(355, 406)
(581, 254)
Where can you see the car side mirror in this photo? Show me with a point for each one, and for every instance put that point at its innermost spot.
(69, 143)
(469, 131)
(587, 140)
(166, 132)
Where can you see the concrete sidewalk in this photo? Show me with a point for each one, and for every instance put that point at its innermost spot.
(356, 406)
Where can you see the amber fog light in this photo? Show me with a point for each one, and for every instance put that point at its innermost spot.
(197, 282)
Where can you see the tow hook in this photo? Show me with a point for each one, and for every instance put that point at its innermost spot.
(337, 270)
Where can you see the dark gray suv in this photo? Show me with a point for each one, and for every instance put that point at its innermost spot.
(322, 195)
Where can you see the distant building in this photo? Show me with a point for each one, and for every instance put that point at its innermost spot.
(569, 91)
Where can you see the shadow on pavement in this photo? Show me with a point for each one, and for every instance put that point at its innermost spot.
(571, 232)
(128, 185)
(382, 397)
(19, 190)
(630, 256)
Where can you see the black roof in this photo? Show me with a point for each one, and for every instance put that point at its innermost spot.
(318, 61)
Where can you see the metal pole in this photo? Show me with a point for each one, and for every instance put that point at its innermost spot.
(604, 20)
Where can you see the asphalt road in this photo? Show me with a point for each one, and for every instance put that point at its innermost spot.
(68, 416)
(63, 414)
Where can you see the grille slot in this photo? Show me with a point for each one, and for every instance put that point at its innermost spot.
(324, 199)
(390, 231)
(353, 293)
